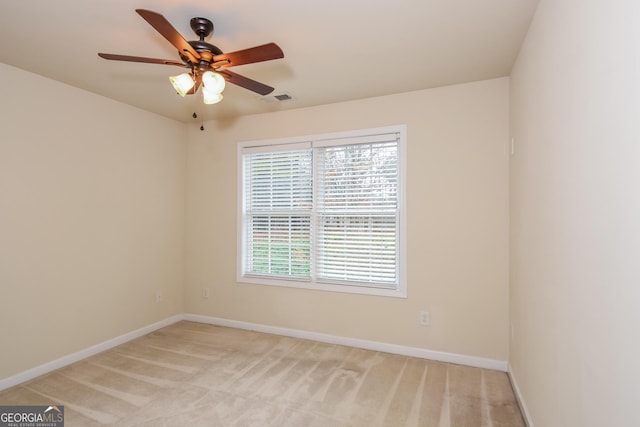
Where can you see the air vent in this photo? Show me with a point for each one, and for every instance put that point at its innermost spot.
(282, 97)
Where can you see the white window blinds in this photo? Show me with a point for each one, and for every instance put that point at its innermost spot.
(278, 202)
(324, 214)
(356, 211)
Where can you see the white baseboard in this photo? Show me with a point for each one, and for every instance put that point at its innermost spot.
(516, 391)
(83, 354)
(459, 359)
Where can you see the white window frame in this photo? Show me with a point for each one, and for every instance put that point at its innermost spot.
(400, 290)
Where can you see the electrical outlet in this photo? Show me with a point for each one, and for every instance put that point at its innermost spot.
(205, 292)
(425, 318)
(159, 295)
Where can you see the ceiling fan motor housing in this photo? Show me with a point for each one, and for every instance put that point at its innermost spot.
(203, 28)
(206, 50)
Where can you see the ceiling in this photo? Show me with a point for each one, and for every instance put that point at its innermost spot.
(335, 50)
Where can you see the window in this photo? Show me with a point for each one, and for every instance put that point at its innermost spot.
(324, 212)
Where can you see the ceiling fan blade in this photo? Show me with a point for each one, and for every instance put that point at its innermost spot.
(115, 57)
(265, 52)
(163, 26)
(246, 82)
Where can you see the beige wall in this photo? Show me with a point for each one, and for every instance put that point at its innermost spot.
(457, 214)
(575, 215)
(91, 219)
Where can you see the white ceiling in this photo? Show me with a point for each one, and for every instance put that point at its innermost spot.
(335, 50)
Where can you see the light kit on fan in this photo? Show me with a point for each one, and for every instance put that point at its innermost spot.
(209, 97)
(182, 83)
(213, 81)
(213, 85)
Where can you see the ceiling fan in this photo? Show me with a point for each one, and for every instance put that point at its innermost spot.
(206, 63)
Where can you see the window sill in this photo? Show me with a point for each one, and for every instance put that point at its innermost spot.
(327, 287)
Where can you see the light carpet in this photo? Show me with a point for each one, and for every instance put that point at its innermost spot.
(193, 374)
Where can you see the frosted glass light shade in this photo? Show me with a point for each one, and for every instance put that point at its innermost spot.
(210, 97)
(213, 81)
(182, 83)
